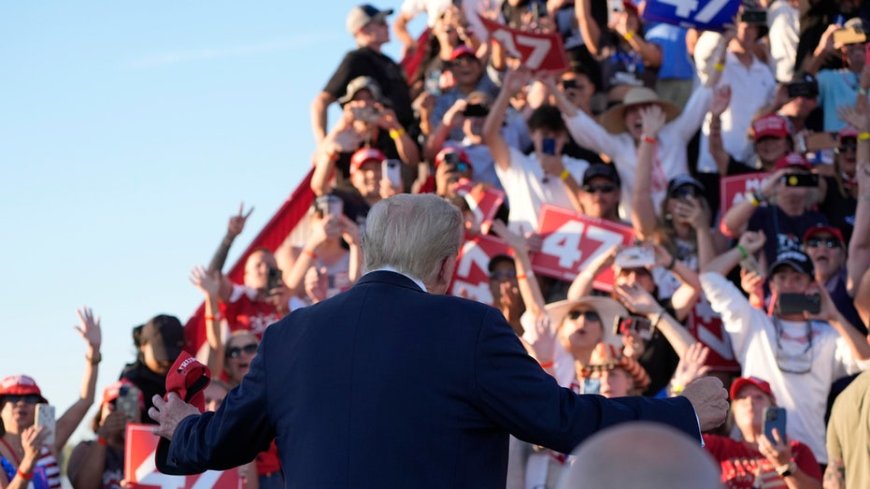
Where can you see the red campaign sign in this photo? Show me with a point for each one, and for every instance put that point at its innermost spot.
(732, 189)
(471, 277)
(706, 326)
(571, 241)
(483, 202)
(141, 472)
(537, 51)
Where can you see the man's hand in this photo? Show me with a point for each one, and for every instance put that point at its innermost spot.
(721, 100)
(710, 400)
(169, 413)
(752, 241)
(237, 222)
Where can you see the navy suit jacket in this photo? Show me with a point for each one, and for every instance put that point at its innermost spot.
(386, 386)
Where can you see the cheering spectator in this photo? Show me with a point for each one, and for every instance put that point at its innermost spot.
(790, 192)
(754, 460)
(452, 169)
(469, 75)
(748, 75)
(801, 352)
(99, 464)
(538, 178)
(434, 10)
(770, 134)
(621, 131)
(234, 228)
(25, 456)
(840, 87)
(599, 195)
(827, 249)
(849, 436)
(158, 344)
(368, 26)
(367, 122)
(840, 190)
(797, 102)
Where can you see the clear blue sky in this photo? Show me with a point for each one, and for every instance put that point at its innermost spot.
(129, 132)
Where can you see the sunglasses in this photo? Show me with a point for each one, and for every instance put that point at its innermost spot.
(503, 275)
(16, 398)
(587, 315)
(829, 243)
(236, 351)
(604, 188)
(849, 146)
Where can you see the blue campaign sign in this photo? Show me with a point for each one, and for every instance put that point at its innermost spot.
(711, 15)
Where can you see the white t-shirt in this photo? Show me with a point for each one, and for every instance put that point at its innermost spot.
(784, 21)
(754, 338)
(527, 189)
(752, 88)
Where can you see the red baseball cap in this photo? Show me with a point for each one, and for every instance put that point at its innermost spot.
(847, 132)
(463, 156)
(770, 126)
(20, 385)
(822, 229)
(792, 160)
(364, 155)
(460, 51)
(742, 382)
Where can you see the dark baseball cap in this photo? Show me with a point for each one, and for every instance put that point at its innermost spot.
(165, 334)
(685, 181)
(796, 259)
(601, 170)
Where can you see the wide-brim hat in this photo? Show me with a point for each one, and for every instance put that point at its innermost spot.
(614, 119)
(608, 310)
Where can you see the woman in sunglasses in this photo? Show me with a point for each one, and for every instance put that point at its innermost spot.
(26, 459)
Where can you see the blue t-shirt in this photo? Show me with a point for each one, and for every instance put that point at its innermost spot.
(836, 89)
(676, 64)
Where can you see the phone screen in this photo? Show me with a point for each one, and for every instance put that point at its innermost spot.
(45, 419)
(548, 146)
(801, 180)
(774, 417)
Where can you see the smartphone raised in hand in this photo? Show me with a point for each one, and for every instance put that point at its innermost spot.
(789, 303)
(392, 171)
(774, 417)
(45, 419)
(639, 325)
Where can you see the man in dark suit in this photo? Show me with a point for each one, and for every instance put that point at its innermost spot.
(387, 385)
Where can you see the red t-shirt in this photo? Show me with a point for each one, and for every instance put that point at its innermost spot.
(741, 463)
(243, 311)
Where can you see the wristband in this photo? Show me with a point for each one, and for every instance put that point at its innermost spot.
(863, 136)
(25, 476)
(786, 470)
(564, 175)
(752, 198)
(547, 364)
(102, 441)
(521, 276)
(396, 133)
(719, 67)
(648, 139)
(216, 317)
(676, 390)
(743, 253)
(96, 359)
(309, 253)
(629, 36)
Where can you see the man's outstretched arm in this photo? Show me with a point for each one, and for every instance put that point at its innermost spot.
(233, 435)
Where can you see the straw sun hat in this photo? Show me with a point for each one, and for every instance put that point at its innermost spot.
(608, 310)
(614, 119)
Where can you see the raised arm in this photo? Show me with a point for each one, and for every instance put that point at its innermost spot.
(650, 53)
(350, 234)
(590, 31)
(322, 229)
(582, 284)
(858, 259)
(318, 114)
(405, 146)
(498, 147)
(824, 51)
(643, 214)
(234, 228)
(642, 302)
(89, 329)
(451, 119)
(687, 294)
(209, 283)
(530, 291)
(400, 29)
(737, 218)
(721, 100)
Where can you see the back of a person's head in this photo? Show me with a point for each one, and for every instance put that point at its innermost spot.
(548, 118)
(641, 455)
(411, 233)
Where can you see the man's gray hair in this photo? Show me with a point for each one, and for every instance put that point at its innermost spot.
(411, 233)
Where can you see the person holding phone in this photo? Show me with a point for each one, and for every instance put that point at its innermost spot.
(25, 458)
(753, 459)
(801, 352)
(99, 464)
(782, 209)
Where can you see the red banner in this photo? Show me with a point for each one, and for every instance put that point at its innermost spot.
(706, 326)
(140, 471)
(483, 202)
(471, 278)
(571, 241)
(537, 51)
(731, 189)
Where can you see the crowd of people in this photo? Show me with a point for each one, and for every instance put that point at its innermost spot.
(638, 131)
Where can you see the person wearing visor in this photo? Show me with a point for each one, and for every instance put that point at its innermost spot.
(368, 26)
(99, 464)
(28, 453)
(752, 459)
(783, 208)
(802, 346)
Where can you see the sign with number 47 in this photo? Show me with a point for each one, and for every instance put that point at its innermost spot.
(710, 15)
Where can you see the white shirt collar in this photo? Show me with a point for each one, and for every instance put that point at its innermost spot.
(413, 279)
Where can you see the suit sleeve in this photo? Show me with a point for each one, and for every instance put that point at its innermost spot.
(513, 390)
(229, 437)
